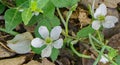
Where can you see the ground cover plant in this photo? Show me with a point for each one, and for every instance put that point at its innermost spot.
(54, 29)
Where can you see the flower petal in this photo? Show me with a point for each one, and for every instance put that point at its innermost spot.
(96, 24)
(55, 32)
(46, 52)
(103, 59)
(37, 42)
(111, 18)
(58, 44)
(20, 47)
(43, 31)
(101, 10)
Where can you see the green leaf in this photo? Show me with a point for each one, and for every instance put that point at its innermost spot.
(64, 3)
(34, 20)
(112, 52)
(54, 54)
(12, 19)
(41, 3)
(2, 8)
(22, 3)
(49, 9)
(26, 16)
(38, 50)
(49, 22)
(85, 32)
(117, 59)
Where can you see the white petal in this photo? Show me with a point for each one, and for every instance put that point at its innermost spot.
(96, 24)
(55, 33)
(36, 13)
(46, 52)
(43, 31)
(20, 47)
(58, 44)
(103, 59)
(111, 18)
(101, 10)
(37, 42)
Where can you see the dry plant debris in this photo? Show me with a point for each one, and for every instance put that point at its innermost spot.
(13, 61)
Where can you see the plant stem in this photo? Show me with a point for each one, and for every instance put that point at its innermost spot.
(10, 32)
(99, 56)
(99, 35)
(67, 20)
(91, 42)
(62, 19)
(77, 53)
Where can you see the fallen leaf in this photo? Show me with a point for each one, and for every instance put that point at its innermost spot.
(21, 43)
(114, 42)
(33, 62)
(45, 61)
(108, 3)
(5, 53)
(83, 17)
(13, 61)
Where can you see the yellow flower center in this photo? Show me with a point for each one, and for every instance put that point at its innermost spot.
(101, 18)
(48, 40)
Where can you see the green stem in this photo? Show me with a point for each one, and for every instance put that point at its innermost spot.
(99, 35)
(77, 53)
(10, 32)
(99, 56)
(91, 42)
(62, 19)
(67, 20)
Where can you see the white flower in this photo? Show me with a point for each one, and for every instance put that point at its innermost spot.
(49, 39)
(103, 59)
(101, 19)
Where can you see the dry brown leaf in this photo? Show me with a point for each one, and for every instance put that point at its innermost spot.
(46, 62)
(113, 12)
(32, 62)
(83, 17)
(111, 3)
(5, 53)
(114, 42)
(13, 61)
(108, 3)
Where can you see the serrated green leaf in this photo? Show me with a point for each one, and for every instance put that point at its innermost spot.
(64, 3)
(12, 19)
(26, 16)
(34, 20)
(41, 3)
(2, 8)
(117, 59)
(83, 33)
(38, 50)
(49, 9)
(22, 3)
(54, 54)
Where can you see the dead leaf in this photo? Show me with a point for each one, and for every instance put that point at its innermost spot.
(111, 3)
(114, 42)
(21, 43)
(33, 62)
(108, 3)
(46, 62)
(5, 53)
(112, 12)
(13, 61)
(83, 17)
